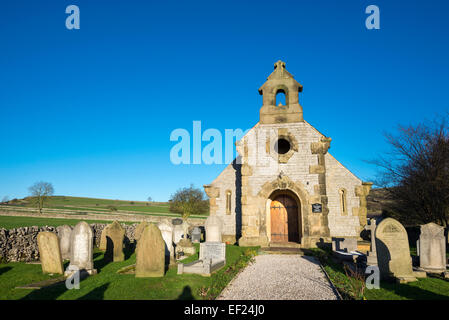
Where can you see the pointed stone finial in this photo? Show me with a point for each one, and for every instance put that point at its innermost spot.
(279, 65)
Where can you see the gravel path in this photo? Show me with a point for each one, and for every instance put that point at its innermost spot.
(280, 277)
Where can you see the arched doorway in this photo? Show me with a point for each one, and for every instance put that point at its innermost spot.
(284, 216)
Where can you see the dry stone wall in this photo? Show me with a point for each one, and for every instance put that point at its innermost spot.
(20, 244)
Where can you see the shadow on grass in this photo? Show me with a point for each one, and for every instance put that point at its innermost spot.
(108, 256)
(186, 294)
(130, 247)
(47, 293)
(4, 270)
(100, 264)
(96, 294)
(412, 292)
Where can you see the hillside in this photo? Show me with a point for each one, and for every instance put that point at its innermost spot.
(376, 201)
(66, 205)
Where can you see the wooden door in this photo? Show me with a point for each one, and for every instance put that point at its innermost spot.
(284, 219)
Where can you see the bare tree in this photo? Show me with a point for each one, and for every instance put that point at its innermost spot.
(415, 173)
(40, 191)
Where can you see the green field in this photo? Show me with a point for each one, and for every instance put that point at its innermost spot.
(110, 285)
(101, 206)
(10, 222)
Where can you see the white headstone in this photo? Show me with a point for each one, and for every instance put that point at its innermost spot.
(81, 249)
(432, 248)
(213, 227)
(167, 235)
(177, 233)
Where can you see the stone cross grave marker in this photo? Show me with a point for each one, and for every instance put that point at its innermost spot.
(372, 254)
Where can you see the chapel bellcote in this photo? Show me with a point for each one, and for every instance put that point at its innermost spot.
(279, 82)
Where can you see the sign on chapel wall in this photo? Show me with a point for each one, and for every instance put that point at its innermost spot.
(317, 208)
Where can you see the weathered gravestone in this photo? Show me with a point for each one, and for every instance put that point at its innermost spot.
(432, 248)
(196, 235)
(115, 235)
(64, 240)
(213, 227)
(103, 240)
(49, 252)
(150, 255)
(167, 235)
(139, 230)
(393, 252)
(81, 249)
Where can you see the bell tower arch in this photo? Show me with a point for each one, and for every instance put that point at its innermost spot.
(280, 81)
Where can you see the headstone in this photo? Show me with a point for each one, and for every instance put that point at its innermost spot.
(115, 235)
(50, 253)
(139, 230)
(213, 250)
(103, 240)
(213, 227)
(432, 248)
(81, 249)
(372, 254)
(196, 235)
(167, 235)
(64, 240)
(393, 252)
(344, 244)
(212, 257)
(150, 255)
(177, 233)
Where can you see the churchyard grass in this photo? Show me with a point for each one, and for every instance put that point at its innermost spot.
(108, 284)
(430, 288)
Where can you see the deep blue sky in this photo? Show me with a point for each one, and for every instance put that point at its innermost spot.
(91, 110)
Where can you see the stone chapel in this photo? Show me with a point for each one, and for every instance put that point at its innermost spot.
(285, 187)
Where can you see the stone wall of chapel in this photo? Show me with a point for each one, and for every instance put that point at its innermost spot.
(265, 167)
(227, 181)
(338, 177)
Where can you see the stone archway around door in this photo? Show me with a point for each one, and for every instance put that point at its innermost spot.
(284, 217)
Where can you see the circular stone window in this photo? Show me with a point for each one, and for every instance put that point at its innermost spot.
(282, 146)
